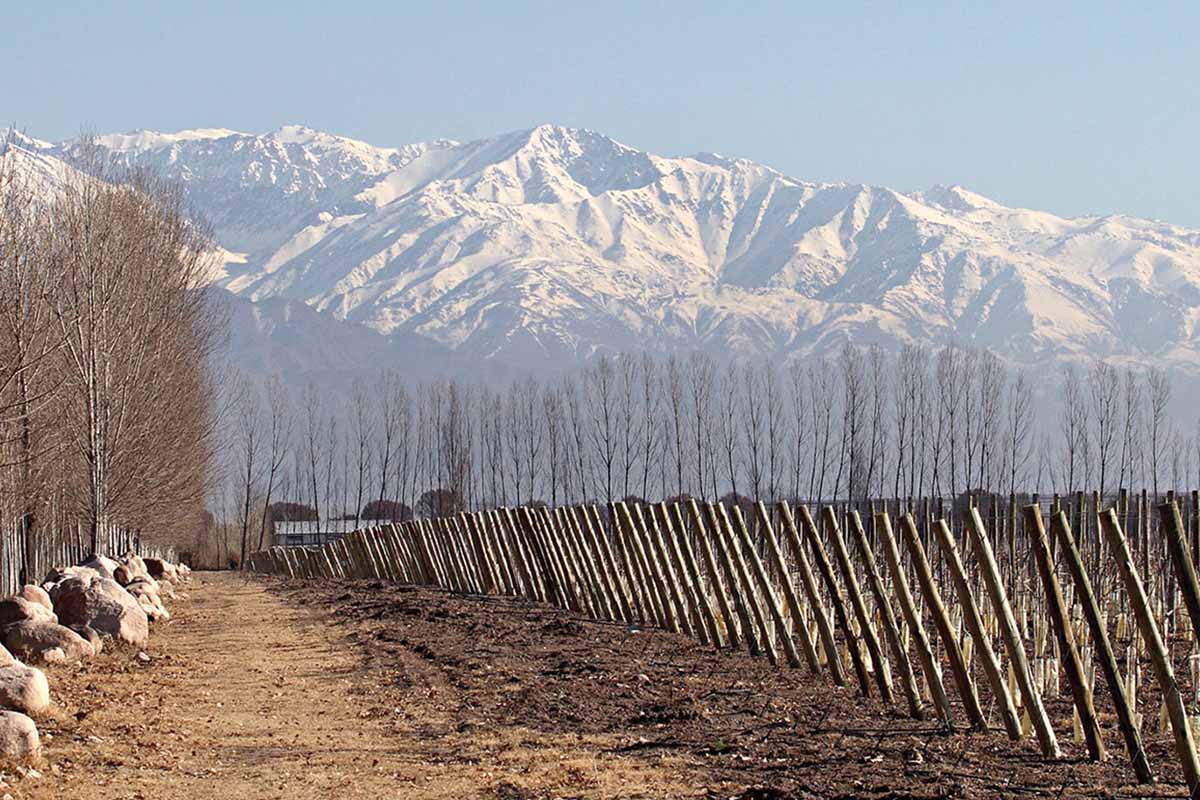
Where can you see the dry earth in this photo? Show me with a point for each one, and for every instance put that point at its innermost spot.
(266, 689)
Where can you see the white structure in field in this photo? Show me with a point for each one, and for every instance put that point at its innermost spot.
(318, 532)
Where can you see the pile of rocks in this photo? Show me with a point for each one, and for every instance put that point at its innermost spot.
(67, 620)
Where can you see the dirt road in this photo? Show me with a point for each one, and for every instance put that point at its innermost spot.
(247, 696)
(265, 689)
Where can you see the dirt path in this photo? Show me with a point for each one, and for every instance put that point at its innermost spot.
(270, 689)
(252, 697)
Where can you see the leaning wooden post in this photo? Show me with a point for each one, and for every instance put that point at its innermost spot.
(714, 574)
(662, 564)
(908, 680)
(991, 665)
(594, 527)
(736, 592)
(693, 568)
(764, 582)
(835, 597)
(577, 565)
(1181, 558)
(656, 586)
(1107, 658)
(1160, 658)
(593, 562)
(941, 620)
(640, 584)
(813, 593)
(1061, 622)
(1008, 632)
(685, 567)
(929, 662)
(740, 576)
(789, 591)
(882, 676)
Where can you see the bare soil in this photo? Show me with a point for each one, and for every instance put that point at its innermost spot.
(268, 689)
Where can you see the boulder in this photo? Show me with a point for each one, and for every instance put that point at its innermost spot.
(36, 594)
(155, 611)
(136, 566)
(105, 566)
(5, 657)
(24, 689)
(161, 570)
(102, 604)
(18, 609)
(56, 576)
(89, 634)
(46, 642)
(146, 592)
(146, 583)
(19, 741)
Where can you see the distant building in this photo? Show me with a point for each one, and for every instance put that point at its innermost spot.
(318, 532)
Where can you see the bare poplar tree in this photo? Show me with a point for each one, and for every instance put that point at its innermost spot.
(1158, 391)
(1019, 430)
(1104, 384)
(651, 420)
(279, 434)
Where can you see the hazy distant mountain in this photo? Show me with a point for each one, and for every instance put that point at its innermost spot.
(541, 247)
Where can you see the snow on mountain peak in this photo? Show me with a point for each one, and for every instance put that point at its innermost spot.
(541, 244)
(144, 140)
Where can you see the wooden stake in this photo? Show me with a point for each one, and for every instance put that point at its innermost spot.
(1160, 658)
(1126, 720)
(832, 657)
(908, 680)
(966, 600)
(789, 591)
(941, 620)
(1030, 696)
(768, 593)
(746, 584)
(882, 677)
(835, 597)
(1181, 558)
(714, 574)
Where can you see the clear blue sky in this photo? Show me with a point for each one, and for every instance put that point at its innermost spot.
(1071, 107)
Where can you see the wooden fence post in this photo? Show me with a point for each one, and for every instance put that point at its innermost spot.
(789, 591)
(882, 677)
(662, 566)
(702, 598)
(714, 574)
(908, 680)
(929, 662)
(835, 598)
(941, 620)
(1160, 658)
(704, 623)
(772, 602)
(971, 615)
(1107, 658)
(1181, 558)
(1008, 630)
(594, 527)
(754, 626)
(813, 593)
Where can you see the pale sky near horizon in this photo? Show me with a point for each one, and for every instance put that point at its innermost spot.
(1074, 108)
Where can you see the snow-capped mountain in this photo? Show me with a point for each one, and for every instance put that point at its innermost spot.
(547, 245)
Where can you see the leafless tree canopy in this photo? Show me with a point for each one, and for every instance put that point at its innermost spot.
(106, 397)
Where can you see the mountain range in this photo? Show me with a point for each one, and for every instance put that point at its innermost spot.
(534, 250)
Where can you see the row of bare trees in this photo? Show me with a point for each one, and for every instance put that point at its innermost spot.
(864, 424)
(106, 415)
